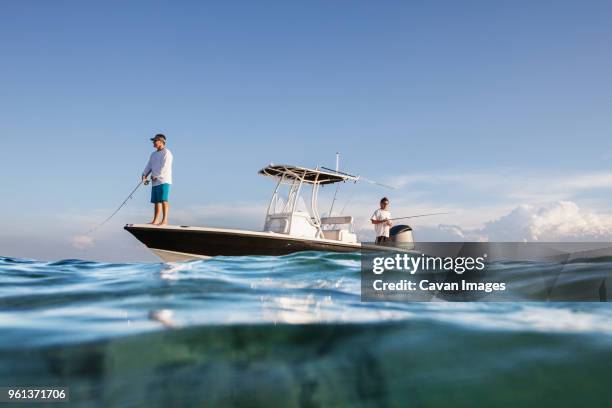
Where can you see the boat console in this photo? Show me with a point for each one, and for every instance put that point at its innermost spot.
(284, 217)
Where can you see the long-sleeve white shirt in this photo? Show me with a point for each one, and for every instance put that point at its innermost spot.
(160, 166)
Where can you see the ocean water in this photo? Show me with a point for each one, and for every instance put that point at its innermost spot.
(288, 331)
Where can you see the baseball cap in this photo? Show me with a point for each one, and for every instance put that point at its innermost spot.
(159, 136)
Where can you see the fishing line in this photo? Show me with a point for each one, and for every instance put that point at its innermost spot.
(334, 199)
(337, 171)
(348, 201)
(116, 211)
(337, 185)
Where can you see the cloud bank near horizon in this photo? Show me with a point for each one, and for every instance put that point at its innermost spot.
(551, 222)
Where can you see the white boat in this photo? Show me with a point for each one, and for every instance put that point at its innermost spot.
(287, 227)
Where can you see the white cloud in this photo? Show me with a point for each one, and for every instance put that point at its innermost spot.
(558, 221)
(587, 181)
(82, 241)
(509, 184)
(551, 222)
(444, 233)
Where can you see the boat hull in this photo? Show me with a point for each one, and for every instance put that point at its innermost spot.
(177, 243)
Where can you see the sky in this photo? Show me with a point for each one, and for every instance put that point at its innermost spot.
(497, 112)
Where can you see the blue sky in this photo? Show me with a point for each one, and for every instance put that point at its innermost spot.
(464, 104)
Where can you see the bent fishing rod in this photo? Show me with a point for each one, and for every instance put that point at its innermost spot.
(360, 178)
(337, 171)
(145, 182)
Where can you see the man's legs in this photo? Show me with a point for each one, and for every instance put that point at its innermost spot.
(381, 240)
(157, 209)
(166, 207)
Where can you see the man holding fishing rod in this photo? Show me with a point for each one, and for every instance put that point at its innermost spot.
(381, 220)
(159, 167)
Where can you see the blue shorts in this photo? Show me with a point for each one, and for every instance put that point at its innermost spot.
(160, 193)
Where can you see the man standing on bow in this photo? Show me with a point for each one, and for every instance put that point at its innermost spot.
(381, 222)
(160, 169)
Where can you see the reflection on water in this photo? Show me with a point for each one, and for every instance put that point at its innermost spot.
(163, 316)
(288, 331)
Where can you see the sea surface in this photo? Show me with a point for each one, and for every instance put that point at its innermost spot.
(288, 331)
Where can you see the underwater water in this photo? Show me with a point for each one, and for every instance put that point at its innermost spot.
(287, 331)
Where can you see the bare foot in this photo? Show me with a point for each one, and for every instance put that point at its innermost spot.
(163, 223)
(154, 222)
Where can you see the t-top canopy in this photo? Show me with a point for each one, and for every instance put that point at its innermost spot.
(311, 176)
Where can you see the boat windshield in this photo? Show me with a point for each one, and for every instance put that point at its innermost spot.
(282, 205)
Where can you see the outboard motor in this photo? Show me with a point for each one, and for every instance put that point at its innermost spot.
(401, 236)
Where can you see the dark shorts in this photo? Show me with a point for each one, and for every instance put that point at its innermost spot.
(160, 193)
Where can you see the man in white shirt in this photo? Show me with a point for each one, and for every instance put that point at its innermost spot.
(381, 222)
(160, 169)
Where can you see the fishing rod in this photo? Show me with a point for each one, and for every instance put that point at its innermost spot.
(337, 171)
(377, 183)
(361, 178)
(337, 185)
(415, 216)
(118, 208)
